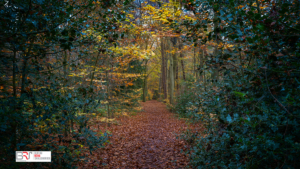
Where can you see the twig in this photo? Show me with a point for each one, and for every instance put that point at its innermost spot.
(287, 123)
(273, 95)
(260, 99)
(280, 106)
(282, 164)
(151, 71)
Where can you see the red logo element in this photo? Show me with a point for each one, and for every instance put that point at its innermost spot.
(25, 155)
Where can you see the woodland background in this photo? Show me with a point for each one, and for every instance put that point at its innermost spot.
(231, 65)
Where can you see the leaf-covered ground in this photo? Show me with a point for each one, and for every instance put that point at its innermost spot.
(147, 140)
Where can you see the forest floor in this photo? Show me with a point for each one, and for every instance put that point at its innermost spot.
(148, 140)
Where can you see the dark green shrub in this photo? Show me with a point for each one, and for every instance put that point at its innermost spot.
(252, 120)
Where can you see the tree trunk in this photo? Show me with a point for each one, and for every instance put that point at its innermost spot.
(14, 75)
(172, 71)
(177, 83)
(194, 64)
(24, 71)
(163, 69)
(181, 60)
(204, 75)
(108, 94)
(67, 127)
(215, 74)
(201, 66)
(93, 72)
(171, 80)
(145, 83)
(160, 87)
(168, 79)
(241, 59)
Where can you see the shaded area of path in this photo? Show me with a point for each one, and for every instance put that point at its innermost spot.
(147, 140)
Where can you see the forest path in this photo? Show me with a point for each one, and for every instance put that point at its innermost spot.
(147, 140)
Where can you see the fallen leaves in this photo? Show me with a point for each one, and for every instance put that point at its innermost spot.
(147, 140)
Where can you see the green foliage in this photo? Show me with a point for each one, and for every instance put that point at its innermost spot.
(184, 103)
(252, 119)
(39, 102)
(101, 112)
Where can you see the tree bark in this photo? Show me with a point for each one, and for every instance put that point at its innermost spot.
(194, 64)
(14, 75)
(172, 71)
(201, 66)
(145, 83)
(163, 69)
(181, 60)
(171, 80)
(24, 70)
(159, 84)
(215, 74)
(108, 93)
(177, 83)
(67, 127)
(93, 72)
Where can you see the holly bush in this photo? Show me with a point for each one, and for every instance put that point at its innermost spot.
(251, 114)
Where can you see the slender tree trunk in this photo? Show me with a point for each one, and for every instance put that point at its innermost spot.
(177, 82)
(204, 75)
(14, 124)
(93, 72)
(241, 59)
(145, 83)
(181, 60)
(201, 66)
(171, 80)
(65, 67)
(159, 87)
(146, 76)
(111, 70)
(24, 70)
(65, 83)
(173, 62)
(175, 72)
(145, 90)
(215, 74)
(108, 93)
(194, 64)
(24, 74)
(14, 75)
(163, 69)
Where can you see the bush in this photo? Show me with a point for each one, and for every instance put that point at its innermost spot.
(240, 136)
(252, 121)
(184, 104)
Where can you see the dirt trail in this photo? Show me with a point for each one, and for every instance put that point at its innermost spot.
(147, 140)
